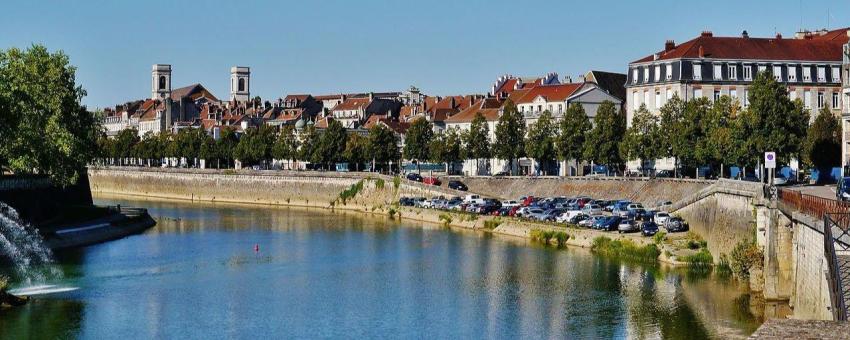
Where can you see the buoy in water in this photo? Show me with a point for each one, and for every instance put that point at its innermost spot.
(256, 248)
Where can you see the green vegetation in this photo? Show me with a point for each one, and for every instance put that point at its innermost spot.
(659, 237)
(392, 212)
(540, 142)
(416, 142)
(352, 191)
(744, 257)
(823, 142)
(4, 282)
(44, 128)
(379, 183)
(446, 219)
(602, 143)
(396, 182)
(694, 241)
(510, 133)
(547, 236)
(492, 223)
(625, 249)
(701, 259)
(572, 133)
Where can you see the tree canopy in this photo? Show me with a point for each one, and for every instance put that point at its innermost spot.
(641, 138)
(603, 141)
(417, 140)
(572, 132)
(510, 134)
(540, 142)
(823, 142)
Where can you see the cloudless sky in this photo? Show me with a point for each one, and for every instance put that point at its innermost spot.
(331, 46)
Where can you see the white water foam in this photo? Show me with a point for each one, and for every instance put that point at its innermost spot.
(41, 290)
(22, 246)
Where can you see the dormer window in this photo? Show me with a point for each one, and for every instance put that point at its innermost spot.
(835, 74)
(792, 73)
(733, 72)
(669, 73)
(748, 72)
(718, 72)
(777, 73)
(657, 72)
(646, 74)
(635, 76)
(807, 73)
(821, 74)
(697, 72)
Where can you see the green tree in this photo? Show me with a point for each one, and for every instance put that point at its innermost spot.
(641, 139)
(823, 141)
(416, 140)
(124, 143)
(309, 142)
(286, 145)
(331, 147)
(540, 142)
(226, 144)
(208, 150)
(477, 140)
(356, 150)
(603, 141)
(43, 126)
(383, 144)
(773, 122)
(572, 133)
(719, 146)
(510, 135)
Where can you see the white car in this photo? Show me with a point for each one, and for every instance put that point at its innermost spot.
(661, 218)
(634, 206)
(471, 198)
(590, 221)
(509, 204)
(592, 209)
(628, 226)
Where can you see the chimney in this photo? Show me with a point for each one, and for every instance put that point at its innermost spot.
(706, 34)
(701, 52)
(669, 45)
(745, 35)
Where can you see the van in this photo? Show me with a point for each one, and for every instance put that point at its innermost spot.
(472, 198)
(842, 192)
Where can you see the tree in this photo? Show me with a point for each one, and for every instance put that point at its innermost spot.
(416, 141)
(226, 144)
(773, 122)
(43, 126)
(356, 150)
(286, 145)
(383, 144)
(641, 138)
(718, 146)
(823, 141)
(572, 133)
(125, 141)
(446, 148)
(309, 143)
(603, 141)
(510, 135)
(477, 140)
(540, 143)
(208, 150)
(331, 147)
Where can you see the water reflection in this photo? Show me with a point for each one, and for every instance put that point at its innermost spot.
(342, 275)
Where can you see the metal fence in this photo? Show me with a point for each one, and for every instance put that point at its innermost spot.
(835, 236)
(812, 205)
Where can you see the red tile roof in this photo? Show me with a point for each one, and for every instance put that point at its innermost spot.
(352, 104)
(488, 107)
(550, 93)
(821, 48)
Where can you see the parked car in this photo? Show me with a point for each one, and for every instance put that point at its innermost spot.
(591, 209)
(489, 206)
(608, 224)
(526, 201)
(637, 214)
(418, 201)
(405, 202)
(431, 181)
(510, 203)
(664, 174)
(457, 185)
(648, 228)
(552, 214)
(621, 212)
(414, 177)
(590, 221)
(501, 174)
(842, 191)
(472, 198)
(661, 217)
(533, 213)
(675, 224)
(628, 225)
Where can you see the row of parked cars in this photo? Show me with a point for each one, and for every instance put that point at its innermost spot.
(453, 184)
(608, 215)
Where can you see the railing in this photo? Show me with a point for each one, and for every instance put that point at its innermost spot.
(812, 205)
(839, 271)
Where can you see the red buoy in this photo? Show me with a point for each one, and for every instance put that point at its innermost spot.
(256, 248)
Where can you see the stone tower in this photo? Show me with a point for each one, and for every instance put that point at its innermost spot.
(240, 83)
(161, 81)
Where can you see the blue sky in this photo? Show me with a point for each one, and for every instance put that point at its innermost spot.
(333, 46)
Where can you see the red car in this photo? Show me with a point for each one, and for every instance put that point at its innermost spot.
(431, 181)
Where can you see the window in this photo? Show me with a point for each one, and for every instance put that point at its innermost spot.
(807, 73)
(733, 93)
(634, 76)
(669, 70)
(807, 99)
(550, 108)
(835, 100)
(560, 108)
(241, 84)
(748, 72)
(697, 93)
(792, 95)
(821, 74)
(697, 72)
(646, 74)
(657, 99)
(762, 68)
(820, 99)
(522, 109)
(635, 101)
(716, 95)
(646, 98)
(669, 94)
(777, 73)
(657, 72)
(792, 73)
(733, 72)
(746, 98)
(539, 108)
(718, 72)
(162, 82)
(836, 73)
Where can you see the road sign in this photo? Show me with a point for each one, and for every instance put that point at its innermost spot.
(770, 160)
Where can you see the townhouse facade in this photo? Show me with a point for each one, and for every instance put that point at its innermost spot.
(809, 64)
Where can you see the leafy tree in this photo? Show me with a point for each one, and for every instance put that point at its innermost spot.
(208, 150)
(43, 126)
(383, 144)
(719, 145)
(446, 148)
(510, 135)
(226, 144)
(603, 141)
(641, 139)
(823, 141)
(540, 142)
(477, 140)
(416, 141)
(773, 122)
(356, 150)
(309, 143)
(331, 147)
(124, 143)
(286, 145)
(572, 133)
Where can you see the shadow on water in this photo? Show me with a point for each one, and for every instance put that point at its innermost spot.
(42, 319)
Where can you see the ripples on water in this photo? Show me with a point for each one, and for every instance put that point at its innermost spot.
(196, 275)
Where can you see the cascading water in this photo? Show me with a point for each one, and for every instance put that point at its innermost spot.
(23, 248)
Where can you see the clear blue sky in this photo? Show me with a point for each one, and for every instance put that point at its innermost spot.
(331, 46)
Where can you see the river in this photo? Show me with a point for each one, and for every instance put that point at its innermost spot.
(236, 271)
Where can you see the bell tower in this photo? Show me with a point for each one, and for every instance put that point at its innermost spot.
(240, 83)
(161, 81)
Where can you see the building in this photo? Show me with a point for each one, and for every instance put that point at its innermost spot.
(240, 83)
(708, 66)
(354, 112)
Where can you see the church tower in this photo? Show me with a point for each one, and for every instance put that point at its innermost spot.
(240, 83)
(161, 81)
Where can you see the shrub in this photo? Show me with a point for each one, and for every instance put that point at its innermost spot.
(547, 236)
(493, 223)
(695, 241)
(701, 259)
(392, 212)
(723, 267)
(446, 218)
(625, 249)
(379, 184)
(659, 237)
(229, 172)
(745, 256)
(4, 282)
(396, 182)
(352, 191)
